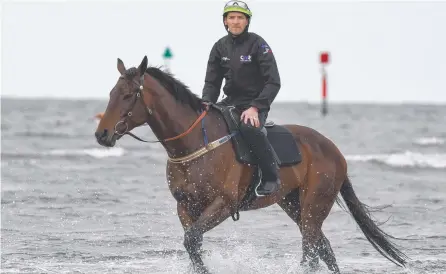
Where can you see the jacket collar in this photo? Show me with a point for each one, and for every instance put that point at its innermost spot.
(239, 38)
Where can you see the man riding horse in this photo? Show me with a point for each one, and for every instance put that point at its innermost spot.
(204, 172)
(252, 81)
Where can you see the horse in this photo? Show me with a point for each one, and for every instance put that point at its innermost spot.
(212, 178)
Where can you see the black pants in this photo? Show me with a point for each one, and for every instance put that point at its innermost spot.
(260, 146)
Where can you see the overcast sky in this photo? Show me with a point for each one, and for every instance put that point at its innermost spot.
(381, 52)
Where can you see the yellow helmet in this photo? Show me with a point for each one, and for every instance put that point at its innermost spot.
(239, 6)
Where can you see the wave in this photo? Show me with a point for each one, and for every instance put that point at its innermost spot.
(68, 153)
(97, 153)
(400, 159)
(429, 141)
(404, 159)
(93, 152)
(44, 135)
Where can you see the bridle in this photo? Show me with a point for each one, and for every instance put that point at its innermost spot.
(139, 94)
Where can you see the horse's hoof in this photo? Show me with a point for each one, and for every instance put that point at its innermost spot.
(202, 270)
(310, 266)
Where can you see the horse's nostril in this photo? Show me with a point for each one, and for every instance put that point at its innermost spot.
(99, 135)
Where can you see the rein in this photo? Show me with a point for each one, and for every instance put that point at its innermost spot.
(200, 118)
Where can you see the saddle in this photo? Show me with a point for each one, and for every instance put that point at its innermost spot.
(281, 139)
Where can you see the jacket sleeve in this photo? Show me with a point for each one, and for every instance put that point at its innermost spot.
(214, 77)
(270, 73)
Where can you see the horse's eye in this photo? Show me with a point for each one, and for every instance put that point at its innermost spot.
(127, 96)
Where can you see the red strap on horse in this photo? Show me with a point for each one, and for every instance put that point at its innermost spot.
(191, 127)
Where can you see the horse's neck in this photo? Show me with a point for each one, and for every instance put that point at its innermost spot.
(172, 119)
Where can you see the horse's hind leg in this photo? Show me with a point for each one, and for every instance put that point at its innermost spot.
(318, 199)
(326, 254)
(291, 205)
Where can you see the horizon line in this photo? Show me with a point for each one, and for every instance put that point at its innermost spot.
(286, 101)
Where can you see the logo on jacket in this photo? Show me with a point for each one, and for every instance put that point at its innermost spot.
(266, 49)
(245, 58)
(224, 59)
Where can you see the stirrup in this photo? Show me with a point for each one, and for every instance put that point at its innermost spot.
(261, 182)
(277, 185)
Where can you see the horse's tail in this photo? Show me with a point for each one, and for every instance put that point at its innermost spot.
(378, 238)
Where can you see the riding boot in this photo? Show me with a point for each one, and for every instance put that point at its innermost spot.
(265, 154)
(269, 165)
(267, 160)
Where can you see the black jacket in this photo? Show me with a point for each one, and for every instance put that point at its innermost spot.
(249, 68)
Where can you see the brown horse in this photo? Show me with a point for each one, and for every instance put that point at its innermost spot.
(209, 183)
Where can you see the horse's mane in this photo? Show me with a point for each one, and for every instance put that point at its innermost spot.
(179, 90)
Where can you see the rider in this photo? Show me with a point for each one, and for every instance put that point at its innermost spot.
(252, 82)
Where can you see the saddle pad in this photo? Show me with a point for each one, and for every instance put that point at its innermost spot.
(281, 139)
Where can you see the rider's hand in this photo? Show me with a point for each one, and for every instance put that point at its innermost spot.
(252, 115)
(207, 104)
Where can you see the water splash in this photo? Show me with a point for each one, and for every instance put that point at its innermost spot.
(404, 159)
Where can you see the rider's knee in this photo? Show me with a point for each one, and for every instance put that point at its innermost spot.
(248, 128)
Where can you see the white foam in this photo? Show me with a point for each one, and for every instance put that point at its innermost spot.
(404, 159)
(93, 152)
(426, 141)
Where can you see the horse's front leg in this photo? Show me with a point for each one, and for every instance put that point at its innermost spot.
(187, 218)
(213, 215)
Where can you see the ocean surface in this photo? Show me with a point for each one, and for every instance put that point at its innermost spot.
(69, 205)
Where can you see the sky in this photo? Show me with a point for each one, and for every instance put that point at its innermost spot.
(380, 51)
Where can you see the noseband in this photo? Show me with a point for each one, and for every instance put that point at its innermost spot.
(149, 112)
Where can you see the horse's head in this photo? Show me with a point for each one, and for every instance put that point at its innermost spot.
(126, 109)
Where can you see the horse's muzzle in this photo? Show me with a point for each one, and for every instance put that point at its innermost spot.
(104, 139)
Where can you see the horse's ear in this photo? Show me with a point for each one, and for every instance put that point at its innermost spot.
(121, 67)
(143, 66)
